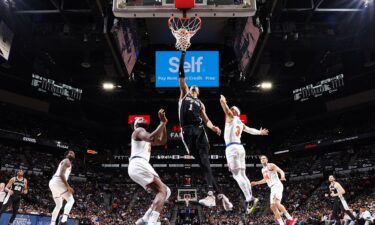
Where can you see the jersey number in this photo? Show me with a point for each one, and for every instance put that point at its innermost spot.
(17, 188)
(238, 131)
(191, 106)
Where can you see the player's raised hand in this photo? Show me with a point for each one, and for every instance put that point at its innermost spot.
(283, 179)
(162, 116)
(216, 130)
(264, 131)
(223, 99)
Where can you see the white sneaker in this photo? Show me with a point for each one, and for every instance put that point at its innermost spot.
(209, 201)
(228, 206)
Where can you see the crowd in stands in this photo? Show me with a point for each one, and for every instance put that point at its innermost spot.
(112, 198)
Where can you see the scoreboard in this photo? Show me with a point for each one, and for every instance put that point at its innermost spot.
(326, 86)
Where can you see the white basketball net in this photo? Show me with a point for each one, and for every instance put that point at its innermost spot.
(183, 29)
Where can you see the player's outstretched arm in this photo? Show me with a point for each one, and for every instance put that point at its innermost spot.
(208, 122)
(252, 131)
(143, 135)
(254, 183)
(183, 86)
(162, 139)
(224, 105)
(8, 188)
(25, 188)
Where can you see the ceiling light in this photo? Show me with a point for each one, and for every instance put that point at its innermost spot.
(86, 65)
(85, 38)
(288, 60)
(108, 86)
(265, 85)
(289, 63)
(86, 61)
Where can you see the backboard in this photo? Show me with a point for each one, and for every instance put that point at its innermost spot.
(166, 8)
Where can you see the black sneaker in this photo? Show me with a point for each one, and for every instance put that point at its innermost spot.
(63, 223)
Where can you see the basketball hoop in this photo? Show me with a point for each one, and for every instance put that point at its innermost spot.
(183, 28)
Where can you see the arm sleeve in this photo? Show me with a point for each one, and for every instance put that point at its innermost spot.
(181, 72)
(251, 131)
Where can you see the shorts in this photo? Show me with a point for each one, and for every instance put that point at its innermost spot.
(235, 155)
(195, 140)
(276, 192)
(141, 172)
(340, 204)
(344, 203)
(58, 188)
(14, 200)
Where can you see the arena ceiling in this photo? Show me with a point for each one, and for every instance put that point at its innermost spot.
(322, 38)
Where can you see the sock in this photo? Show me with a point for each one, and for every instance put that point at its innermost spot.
(287, 215)
(147, 214)
(153, 217)
(281, 222)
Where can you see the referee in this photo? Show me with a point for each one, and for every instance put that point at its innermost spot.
(193, 117)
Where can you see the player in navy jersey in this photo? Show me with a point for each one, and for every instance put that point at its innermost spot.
(193, 118)
(15, 188)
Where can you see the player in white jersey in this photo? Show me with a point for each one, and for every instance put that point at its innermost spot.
(271, 176)
(235, 152)
(61, 190)
(2, 194)
(141, 171)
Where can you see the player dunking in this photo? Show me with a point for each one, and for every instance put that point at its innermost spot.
(141, 171)
(193, 117)
(15, 188)
(339, 202)
(235, 152)
(270, 176)
(61, 190)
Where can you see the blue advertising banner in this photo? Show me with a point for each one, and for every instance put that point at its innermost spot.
(201, 68)
(27, 219)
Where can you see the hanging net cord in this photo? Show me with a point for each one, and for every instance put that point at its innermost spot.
(183, 29)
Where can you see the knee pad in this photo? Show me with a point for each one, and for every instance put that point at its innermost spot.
(168, 193)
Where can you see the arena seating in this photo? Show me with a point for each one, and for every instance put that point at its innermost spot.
(96, 195)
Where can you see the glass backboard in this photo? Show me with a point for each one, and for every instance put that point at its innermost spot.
(165, 8)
